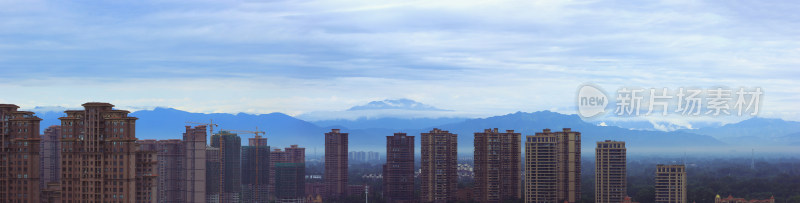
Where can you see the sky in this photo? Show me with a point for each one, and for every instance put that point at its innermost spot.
(479, 58)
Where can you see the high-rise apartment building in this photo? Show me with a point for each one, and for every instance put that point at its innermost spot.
(230, 146)
(362, 156)
(373, 156)
(146, 173)
(213, 166)
(255, 170)
(275, 156)
(295, 154)
(610, 182)
(335, 164)
(19, 155)
(194, 164)
(398, 172)
(181, 166)
(357, 156)
(553, 166)
(670, 183)
(439, 163)
(99, 156)
(290, 182)
(170, 169)
(51, 153)
(292, 154)
(497, 165)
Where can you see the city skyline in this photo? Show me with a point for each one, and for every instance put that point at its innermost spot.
(165, 170)
(381, 101)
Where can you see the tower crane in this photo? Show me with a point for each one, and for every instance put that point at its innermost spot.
(258, 144)
(210, 125)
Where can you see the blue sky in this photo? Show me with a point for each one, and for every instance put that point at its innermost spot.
(477, 57)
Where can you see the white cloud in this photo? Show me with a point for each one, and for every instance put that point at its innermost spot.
(482, 58)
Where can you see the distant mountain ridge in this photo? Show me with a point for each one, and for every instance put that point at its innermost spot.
(281, 129)
(388, 108)
(369, 134)
(755, 132)
(387, 123)
(405, 104)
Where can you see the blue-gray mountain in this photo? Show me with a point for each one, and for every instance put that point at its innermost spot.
(755, 132)
(388, 123)
(405, 104)
(283, 130)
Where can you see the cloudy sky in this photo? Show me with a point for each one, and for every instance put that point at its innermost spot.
(476, 57)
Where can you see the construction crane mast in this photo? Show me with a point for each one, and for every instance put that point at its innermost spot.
(257, 133)
(210, 125)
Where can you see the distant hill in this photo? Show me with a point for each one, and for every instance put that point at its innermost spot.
(369, 134)
(281, 130)
(49, 115)
(406, 104)
(755, 132)
(405, 112)
(530, 123)
(388, 123)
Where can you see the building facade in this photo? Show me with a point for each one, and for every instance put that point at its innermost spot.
(553, 166)
(670, 183)
(277, 155)
(292, 154)
(611, 179)
(170, 170)
(398, 172)
(255, 170)
(295, 154)
(50, 156)
(194, 164)
(439, 180)
(213, 166)
(19, 155)
(181, 166)
(147, 173)
(335, 176)
(497, 165)
(290, 182)
(230, 146)
(100, 140)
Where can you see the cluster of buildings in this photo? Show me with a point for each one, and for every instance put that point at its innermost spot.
(362, 156)
(91, 157)
(94, 156)
(552, 169)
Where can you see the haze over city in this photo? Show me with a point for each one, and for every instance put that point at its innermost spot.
(307, 101)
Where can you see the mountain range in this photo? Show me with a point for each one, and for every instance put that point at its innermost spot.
(368, 133)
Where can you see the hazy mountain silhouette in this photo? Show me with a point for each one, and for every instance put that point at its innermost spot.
(389, 109)
(369, 134)
(530, 123)
(755, 132)
(406, 104)
(281, 129)
(388, 123)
